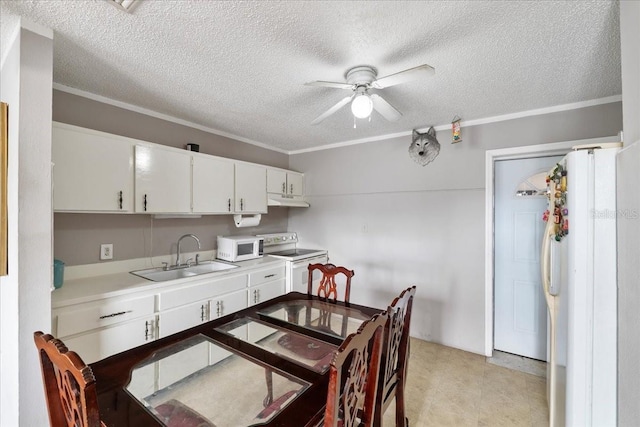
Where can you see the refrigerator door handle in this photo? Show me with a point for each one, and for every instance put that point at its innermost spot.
(546, 263)
(554, 269)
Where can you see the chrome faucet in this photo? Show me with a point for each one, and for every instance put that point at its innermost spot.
(179, 240)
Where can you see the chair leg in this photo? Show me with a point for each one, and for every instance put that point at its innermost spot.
(401, 419)
(268, 375)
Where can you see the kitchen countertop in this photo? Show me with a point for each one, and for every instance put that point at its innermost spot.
(86, 289)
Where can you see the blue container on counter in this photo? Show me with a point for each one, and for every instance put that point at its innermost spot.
(58, 273)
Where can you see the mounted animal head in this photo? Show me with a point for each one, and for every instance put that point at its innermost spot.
(424, 146)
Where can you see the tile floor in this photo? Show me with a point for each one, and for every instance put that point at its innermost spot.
(449, 387)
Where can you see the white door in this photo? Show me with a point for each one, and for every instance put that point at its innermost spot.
(520, 314)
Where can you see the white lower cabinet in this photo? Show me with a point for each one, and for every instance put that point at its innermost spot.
(181, 318)
(264, 285)
(106, 326)
(101, 328)
(227, 304)
(177, 366)
(192, 314)
(266, 291)
(104, 342)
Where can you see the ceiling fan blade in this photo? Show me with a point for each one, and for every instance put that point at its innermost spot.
(335, 85)
(387, 110)
(332, 110)
(404, 76)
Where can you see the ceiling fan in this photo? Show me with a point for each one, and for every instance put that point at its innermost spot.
(364, 77)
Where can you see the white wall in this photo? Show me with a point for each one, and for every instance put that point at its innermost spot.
(629, 220)
(630, 56)
(397, 223)
(25, 298)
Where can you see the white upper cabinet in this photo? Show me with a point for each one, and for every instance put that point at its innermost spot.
(250, 188)
(287, 183)
(212, 180)
(100, 172)
(276, 181)
(295, 183)
(163, 180)
(93, 171)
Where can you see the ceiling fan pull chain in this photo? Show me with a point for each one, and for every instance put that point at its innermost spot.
(354, 122)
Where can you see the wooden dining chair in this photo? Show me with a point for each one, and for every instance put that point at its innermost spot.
(328, 287)
(395, 357)
(69, 384)
(72, 399)
(353, 376)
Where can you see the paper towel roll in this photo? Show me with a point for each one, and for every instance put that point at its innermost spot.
(247, 221)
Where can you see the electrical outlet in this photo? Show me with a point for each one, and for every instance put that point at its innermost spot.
(106, 251)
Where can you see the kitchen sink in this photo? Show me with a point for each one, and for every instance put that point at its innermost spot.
(161, 275)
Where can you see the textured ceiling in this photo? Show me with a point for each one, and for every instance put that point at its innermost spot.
(240, 67)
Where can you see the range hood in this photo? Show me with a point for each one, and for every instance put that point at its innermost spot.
(291, 202)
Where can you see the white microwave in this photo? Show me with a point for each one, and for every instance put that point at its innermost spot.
(239, 248)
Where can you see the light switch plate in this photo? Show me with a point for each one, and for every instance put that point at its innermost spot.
(106, 251)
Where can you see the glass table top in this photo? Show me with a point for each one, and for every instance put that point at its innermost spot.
(331, 319)
(191, 382)
(309, 352)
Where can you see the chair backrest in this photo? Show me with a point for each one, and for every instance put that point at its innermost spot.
(353, 376)
(69, 384)
(328, 288)
(395, 355)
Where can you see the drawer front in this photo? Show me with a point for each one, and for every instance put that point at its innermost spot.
(267, 275)
(185, 295)
(102, 313)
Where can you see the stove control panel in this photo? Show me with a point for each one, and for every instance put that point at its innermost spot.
(279, 238)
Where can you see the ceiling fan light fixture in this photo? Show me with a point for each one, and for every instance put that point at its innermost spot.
(125, 5)
(361, 106)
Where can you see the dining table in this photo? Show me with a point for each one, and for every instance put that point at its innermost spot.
(265, 365)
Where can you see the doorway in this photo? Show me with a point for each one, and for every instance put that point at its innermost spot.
(520, 314)
(492, 156)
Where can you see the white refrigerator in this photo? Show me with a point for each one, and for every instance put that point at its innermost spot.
(579, 282)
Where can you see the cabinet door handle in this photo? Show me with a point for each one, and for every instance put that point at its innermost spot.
(284, 188)
(269, 275)
(120, 200)
(241, 204)
(256, 296)
(202, 312)
(120, 313)
(148, 330)
(145, 203)
(291, 188)
(218, 308)
(229, 204)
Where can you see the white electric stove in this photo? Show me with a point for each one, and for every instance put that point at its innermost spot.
(285, 245)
